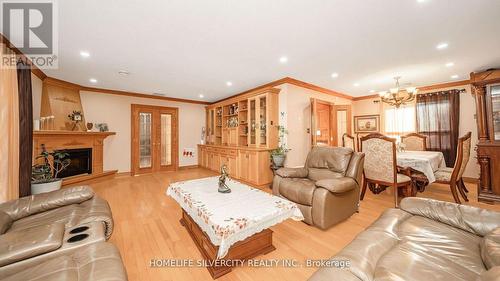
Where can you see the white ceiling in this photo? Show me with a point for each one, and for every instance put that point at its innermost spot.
(183, 48)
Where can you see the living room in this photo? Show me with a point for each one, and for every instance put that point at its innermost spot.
(283, 140)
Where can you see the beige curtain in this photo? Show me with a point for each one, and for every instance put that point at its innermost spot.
(9, 127)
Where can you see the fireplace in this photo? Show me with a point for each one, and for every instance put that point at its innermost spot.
(81, 162)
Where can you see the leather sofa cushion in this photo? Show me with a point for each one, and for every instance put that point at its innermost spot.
(5, 222)
(335, 159)
(30, 205)
(490, 249)
(475, 220)
(316, 174)
(99, 261)
(490, 275)
(339, 185)
(292, 172)
(298, 190)
(20, 245)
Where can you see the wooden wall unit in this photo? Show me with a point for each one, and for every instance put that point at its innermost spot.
(240, 132)
(486, 90)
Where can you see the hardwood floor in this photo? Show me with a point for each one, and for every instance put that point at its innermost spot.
(147, 227)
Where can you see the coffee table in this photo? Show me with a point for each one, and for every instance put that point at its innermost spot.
(229, 226)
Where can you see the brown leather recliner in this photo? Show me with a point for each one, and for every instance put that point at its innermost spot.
(423, 240)
(326, 189)
(71, 206)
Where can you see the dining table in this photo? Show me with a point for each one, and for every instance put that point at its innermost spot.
(420, 166)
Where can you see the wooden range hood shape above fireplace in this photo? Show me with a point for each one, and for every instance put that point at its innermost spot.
(61, 140)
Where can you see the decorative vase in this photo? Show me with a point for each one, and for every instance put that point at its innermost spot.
(37, 188)
(278, 160)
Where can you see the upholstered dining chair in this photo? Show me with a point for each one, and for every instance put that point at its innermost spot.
(414, 142)
(348, 141)
(380, 169)
(453, 176)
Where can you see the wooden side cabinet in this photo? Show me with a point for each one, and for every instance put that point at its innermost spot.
(486, 91)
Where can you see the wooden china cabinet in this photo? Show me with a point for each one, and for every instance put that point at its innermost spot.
(240, 133)
(486, 90)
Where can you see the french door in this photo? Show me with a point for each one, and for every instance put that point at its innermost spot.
(155, 142)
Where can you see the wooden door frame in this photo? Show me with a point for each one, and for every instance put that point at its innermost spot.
(134, 131)
(333, 120)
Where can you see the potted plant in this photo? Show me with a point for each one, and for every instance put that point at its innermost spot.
(44, 176)
(278, 155)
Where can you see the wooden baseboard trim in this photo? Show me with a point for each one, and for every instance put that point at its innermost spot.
(84, 178)
(470, 180)
(188, 167)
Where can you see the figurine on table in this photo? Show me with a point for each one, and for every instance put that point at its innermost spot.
(223, 188)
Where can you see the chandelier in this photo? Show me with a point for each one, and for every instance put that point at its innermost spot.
(397, 96)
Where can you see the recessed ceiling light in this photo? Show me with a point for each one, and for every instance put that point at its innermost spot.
(335, 75)
(442, 46)
(84, 54)
(93, 80)
(372, 91)
(123, 72)
(283, 59)
(454, 76)
(356, 84)
(450, 64)
(201, 96)
(229, 83)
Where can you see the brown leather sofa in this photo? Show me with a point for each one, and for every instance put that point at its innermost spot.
(424, 240)
(58, 235)
(327, 188)
(71, 206)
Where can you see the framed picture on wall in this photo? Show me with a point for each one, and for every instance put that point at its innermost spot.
(367, 124)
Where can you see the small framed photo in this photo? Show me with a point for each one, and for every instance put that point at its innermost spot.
(367, 124)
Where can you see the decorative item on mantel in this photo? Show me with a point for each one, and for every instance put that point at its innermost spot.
(223, 188)
(89, 126)
(44, 174)
(103, 127)
(75, 117)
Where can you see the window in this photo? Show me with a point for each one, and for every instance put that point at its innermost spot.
(400, 121)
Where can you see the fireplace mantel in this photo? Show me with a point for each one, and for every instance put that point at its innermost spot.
(60, 140)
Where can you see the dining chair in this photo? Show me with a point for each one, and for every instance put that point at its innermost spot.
(380, 169)
(348, 141)
(453, 176)
(414, 142)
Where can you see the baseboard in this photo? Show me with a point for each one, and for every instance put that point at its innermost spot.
(470, 180)
(86, 178)
(188, 167)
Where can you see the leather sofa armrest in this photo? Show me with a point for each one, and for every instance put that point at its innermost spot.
(337, 185)
(472, 219)
(16, 246)
(34, 204)
(292, 172)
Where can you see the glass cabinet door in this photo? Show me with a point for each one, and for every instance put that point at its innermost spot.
(252, 122)
(166, 139)
(263, 120)
(495, 110)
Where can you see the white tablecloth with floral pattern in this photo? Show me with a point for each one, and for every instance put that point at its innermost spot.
(426, 162)
(231, 217)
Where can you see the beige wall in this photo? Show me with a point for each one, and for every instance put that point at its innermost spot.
(115, 110)
(467, 121)
(296, 103)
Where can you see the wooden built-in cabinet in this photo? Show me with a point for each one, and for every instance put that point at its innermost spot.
(245, 164)
(486, 90)
(240, 133)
